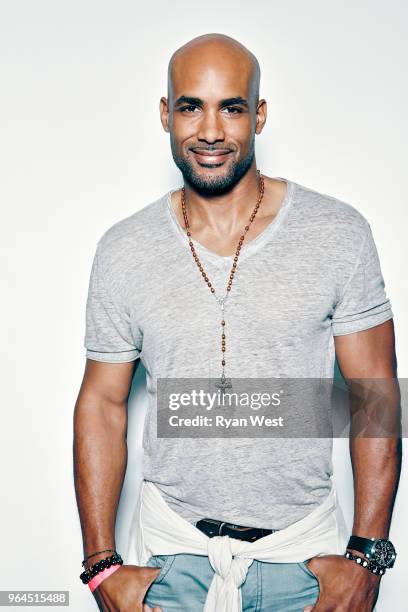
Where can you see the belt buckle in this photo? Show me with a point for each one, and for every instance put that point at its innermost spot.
(220, 528)
(236, 529)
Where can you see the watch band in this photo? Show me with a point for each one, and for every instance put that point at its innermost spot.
(363, 545)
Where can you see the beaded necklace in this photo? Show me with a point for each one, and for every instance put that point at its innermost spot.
(224, 382)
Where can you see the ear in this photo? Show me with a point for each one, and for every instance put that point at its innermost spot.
(164, 113)
(261, 114)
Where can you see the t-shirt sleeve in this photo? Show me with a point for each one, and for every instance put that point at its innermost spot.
(108, 333)
(363, 302)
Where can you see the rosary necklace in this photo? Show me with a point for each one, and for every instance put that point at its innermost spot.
(224, 382)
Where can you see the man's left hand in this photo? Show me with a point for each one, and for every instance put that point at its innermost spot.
(344, 585)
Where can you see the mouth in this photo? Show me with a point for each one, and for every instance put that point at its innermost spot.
(211, 157)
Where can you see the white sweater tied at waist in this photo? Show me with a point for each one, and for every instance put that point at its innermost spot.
(158, 530)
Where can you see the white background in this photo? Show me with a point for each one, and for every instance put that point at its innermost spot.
(82, 147)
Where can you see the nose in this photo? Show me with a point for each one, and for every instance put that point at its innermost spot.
(210, 127)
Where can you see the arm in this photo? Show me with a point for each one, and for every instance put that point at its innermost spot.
(100, 458)
(100, 450)
(376, 461)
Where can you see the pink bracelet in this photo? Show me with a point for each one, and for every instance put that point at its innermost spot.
(96, 580)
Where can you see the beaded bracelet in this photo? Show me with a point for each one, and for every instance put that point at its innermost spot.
(92, 571)
(98, 552)
(368, 564)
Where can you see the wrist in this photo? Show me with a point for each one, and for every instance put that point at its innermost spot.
(100, 566)
(368, 564)
(355, 552)
(102, 552)
(378, 551)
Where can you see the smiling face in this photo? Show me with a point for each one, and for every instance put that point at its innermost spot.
(213, 112)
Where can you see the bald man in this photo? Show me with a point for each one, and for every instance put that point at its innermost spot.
(235, 276)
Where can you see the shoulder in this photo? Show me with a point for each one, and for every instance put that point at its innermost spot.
(133, 235)
(135, 224)
(327, 216)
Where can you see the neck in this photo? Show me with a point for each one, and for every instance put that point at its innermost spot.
(223, 214)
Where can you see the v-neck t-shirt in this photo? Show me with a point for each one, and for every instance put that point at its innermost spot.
(312, 274)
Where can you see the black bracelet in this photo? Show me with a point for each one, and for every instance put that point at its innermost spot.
(97, 553)
(92, 571)
(367, 563)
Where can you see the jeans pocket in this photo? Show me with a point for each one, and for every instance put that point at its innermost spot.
(164, 562)
(304, 566)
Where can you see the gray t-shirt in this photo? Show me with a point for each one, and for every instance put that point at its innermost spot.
(311, 274)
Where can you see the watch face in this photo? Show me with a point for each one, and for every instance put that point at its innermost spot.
(383, 553)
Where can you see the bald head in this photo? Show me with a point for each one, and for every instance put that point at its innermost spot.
(214, 53)
(213, 112)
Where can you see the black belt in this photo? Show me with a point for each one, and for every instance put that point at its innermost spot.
(218, 528)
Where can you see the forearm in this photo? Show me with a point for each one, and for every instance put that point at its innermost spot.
(375, 448)
(376, 469)
(100, 458)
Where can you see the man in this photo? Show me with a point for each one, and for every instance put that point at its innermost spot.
(306, 286)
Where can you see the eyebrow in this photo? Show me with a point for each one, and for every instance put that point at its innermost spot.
(199, 102)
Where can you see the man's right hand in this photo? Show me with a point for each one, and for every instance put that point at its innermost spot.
(125, 589)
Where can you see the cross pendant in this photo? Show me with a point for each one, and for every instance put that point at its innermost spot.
(225, 383)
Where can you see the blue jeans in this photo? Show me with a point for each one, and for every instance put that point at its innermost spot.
(184, 580)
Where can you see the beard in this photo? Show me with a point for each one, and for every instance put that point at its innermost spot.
(212, 185)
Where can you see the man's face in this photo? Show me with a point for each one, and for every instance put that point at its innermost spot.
(212, 117)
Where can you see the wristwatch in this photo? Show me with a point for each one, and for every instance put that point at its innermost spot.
(379, 551)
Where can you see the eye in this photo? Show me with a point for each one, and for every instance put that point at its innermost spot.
(189, 108)
(233, 110)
